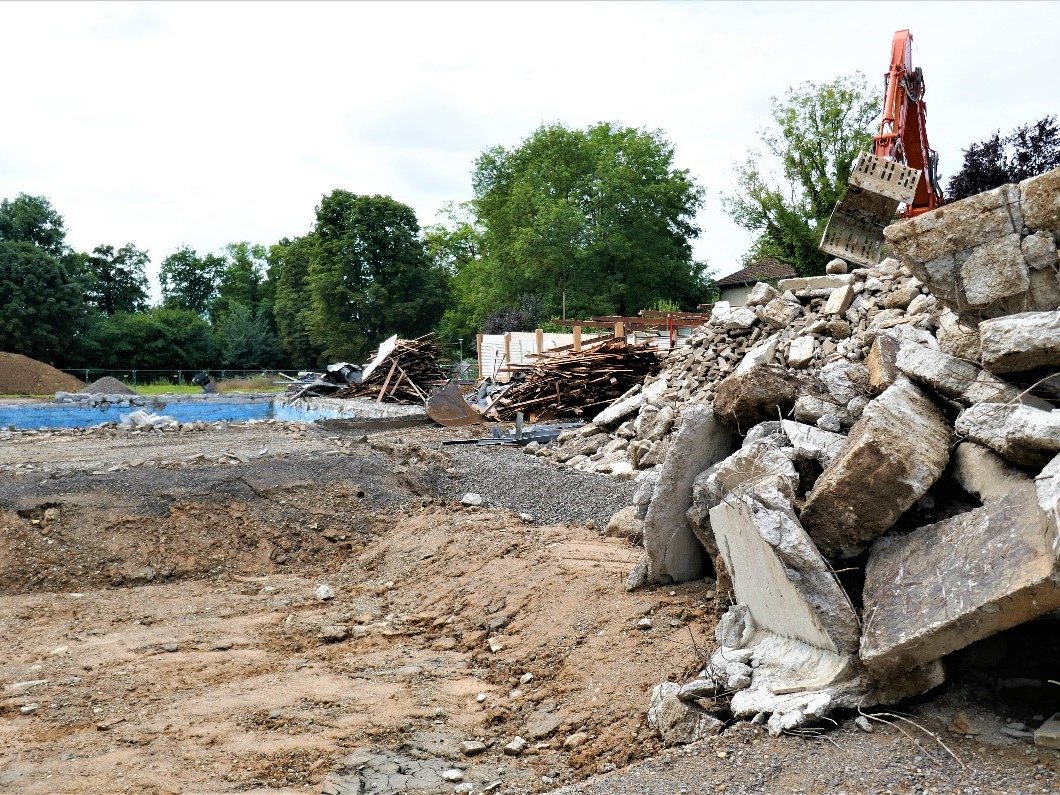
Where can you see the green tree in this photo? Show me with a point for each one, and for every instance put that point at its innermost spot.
(245, 338)
(41, 306)
(161, 338)
(456, 246)
(116, 280)
(599, 219)
(1027, 151)
(369, 275)
(292, 302)
(32, 219)
(241, 280)
(816, 135)
(190, 282)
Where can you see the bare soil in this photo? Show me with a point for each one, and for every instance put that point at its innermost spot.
(21, 375)
(161, 632)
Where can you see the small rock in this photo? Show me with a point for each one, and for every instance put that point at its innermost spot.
(480, 697)
(644, 623)
(333, 633)
(170, 646)
(471, 499)
(835, 266)
(452, 775)
(467, 786)
(28, 709)
(472, 748)
(516, 747)
(863, 723)
(526, 679)
(495, 644)
(323, 593)
(575, 740)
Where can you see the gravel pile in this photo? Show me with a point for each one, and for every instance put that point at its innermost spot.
(107, 386)
(508, 478)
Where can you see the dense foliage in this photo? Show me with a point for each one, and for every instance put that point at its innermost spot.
(1025, 152)
(816, 135)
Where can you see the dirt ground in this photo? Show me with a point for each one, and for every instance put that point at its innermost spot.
(21, 375)
(163, 633)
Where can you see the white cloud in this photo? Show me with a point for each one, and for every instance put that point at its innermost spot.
(205, 123)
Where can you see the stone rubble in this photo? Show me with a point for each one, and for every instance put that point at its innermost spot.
(833, 424)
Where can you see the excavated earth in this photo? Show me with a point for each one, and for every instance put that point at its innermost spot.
(162, 633)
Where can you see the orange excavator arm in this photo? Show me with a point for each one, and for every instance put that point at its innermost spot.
(899, 172)
(903, 128)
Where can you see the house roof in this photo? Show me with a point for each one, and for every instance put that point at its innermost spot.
(766, 270)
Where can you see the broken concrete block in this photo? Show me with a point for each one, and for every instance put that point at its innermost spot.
(1039, 250)
(674, 553)
(727, 316)
(993, 271)
(839, 301)
(743, 400)
(627, 406)
(836, 265)
(882, 362)
(957, 581)
(894, 453)
(953, 377)
(778, 573)
(958, 337)
(761, 354)
(1048, 734)
(1022, 342)
(624, 523)
(1040, 201)
(810, 442)
(761, 294)
(779, 313)
(1025, 435)
(829, 282)
(958, 226)
(679, 722)
(800, 351)
(982, 472)
(1047, 488)
(844, 380)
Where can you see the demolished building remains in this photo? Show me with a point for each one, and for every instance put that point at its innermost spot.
(901, 422)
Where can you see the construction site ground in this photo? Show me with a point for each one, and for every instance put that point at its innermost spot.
(162, 631)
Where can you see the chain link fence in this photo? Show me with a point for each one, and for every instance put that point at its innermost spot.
(135, 377)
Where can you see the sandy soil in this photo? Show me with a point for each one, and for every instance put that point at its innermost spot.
(162, 633)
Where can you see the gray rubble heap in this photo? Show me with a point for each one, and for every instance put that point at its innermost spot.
(849, 412)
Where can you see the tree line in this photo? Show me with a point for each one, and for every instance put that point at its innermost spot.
(568, 224)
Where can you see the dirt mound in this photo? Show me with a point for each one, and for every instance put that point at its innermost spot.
(21, 375)
(107, 386)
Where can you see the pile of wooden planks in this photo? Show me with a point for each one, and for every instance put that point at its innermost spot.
(405, 375)
(568, 384)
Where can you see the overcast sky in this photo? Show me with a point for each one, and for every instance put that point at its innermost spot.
(205, 123)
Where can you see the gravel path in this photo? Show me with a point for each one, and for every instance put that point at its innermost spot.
(847, 761)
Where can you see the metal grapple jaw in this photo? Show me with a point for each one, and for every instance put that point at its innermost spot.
(876, 187)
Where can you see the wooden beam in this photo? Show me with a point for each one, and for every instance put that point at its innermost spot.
(539, 341)
(620, 330)
(577, 339)
(386, 383)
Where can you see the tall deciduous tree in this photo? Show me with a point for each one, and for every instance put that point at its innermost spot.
(41, 307)
(241, 280)
(1025, 152)
(786, 198)
(188, 281)
(598, 219)
(32, 219)
(158, 339)
(292, 304)
(369, 275)
(116, 280)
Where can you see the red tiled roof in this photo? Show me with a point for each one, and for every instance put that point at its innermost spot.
(767, 270)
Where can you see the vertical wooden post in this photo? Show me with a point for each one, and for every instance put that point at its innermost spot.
(620, 330)
(539, 341)
(577, 338)
(478, 349)
(507, 354)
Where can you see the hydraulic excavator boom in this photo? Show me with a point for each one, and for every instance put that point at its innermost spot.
(901, 169)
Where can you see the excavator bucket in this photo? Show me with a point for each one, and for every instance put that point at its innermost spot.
(447, 407)
(876, 187)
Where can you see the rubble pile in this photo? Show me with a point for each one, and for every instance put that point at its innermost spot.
(405, 374)
(915, 449)
(801, 346)
(575, 384)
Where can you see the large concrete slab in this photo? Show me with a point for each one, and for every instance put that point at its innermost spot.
(953, 377)
(957, 581)
(674, 553)
(894, 453)
(1024, 435)
(1025, 341)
